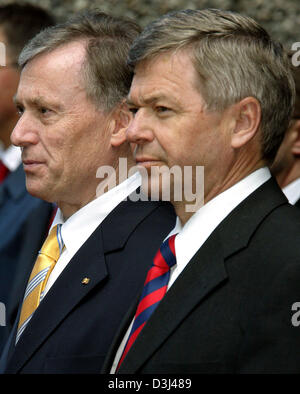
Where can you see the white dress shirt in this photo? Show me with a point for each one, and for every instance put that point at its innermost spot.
(292, 191)
(11, 157)
(200, 226)
(78, 228)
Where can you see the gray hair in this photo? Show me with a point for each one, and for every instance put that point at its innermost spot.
(106, 75)
(234, 58)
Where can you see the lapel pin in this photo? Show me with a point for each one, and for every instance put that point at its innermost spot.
(85, 281)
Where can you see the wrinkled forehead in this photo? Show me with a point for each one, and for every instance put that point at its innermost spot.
(62, 64)
(54, 77)
(65, 57)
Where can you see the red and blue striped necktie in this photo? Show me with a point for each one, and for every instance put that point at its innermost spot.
(155, 288)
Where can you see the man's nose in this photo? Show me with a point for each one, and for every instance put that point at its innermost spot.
(24, 132)
(140, 129)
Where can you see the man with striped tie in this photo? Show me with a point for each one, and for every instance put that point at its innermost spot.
(72, 124)
(212, 89)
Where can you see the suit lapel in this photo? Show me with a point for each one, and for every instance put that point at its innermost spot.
(204, 272)
(65, 293)
(238, 227)
(122, 221)
(202, 275)
(35, 231)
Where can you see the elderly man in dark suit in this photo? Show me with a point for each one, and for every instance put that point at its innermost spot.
(72, 132)
(212, 89)
(18, 24)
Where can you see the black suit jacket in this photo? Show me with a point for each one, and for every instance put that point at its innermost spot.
(74, 325)
(34, 232)
(230, 310)
(23, 225)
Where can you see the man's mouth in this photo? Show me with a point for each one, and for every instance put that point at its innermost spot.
(31, 164)
(147, 161)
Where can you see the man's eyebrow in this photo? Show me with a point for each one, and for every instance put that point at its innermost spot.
(37, 102)
(150, 99)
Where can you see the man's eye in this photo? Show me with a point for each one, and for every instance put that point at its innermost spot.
(44, 110)
(162, 109)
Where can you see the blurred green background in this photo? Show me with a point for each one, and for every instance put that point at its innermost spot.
(280, 17)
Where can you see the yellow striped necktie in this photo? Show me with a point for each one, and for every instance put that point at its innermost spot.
(45, 262)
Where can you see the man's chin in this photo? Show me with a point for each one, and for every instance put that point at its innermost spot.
(39, 193)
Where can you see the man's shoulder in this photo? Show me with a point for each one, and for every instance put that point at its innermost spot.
(142, 218)
(282, 225)
(145, 207)
(274, 243)
(264, 219)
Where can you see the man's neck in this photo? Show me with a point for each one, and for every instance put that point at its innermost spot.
(288, 176)
(230, 179)
(120, 172)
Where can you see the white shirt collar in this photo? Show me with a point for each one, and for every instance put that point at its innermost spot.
(11, 157)
(292, 191)
(199, 227)
(77, 228)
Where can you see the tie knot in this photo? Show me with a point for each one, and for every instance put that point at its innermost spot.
(53, 244)
(166, 256)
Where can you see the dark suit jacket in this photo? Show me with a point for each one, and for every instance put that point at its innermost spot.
(230, 309)
(74, 325)
(21, 234)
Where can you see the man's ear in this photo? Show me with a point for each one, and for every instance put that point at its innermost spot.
(247, 114)
(122, 117)
(296, 142)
